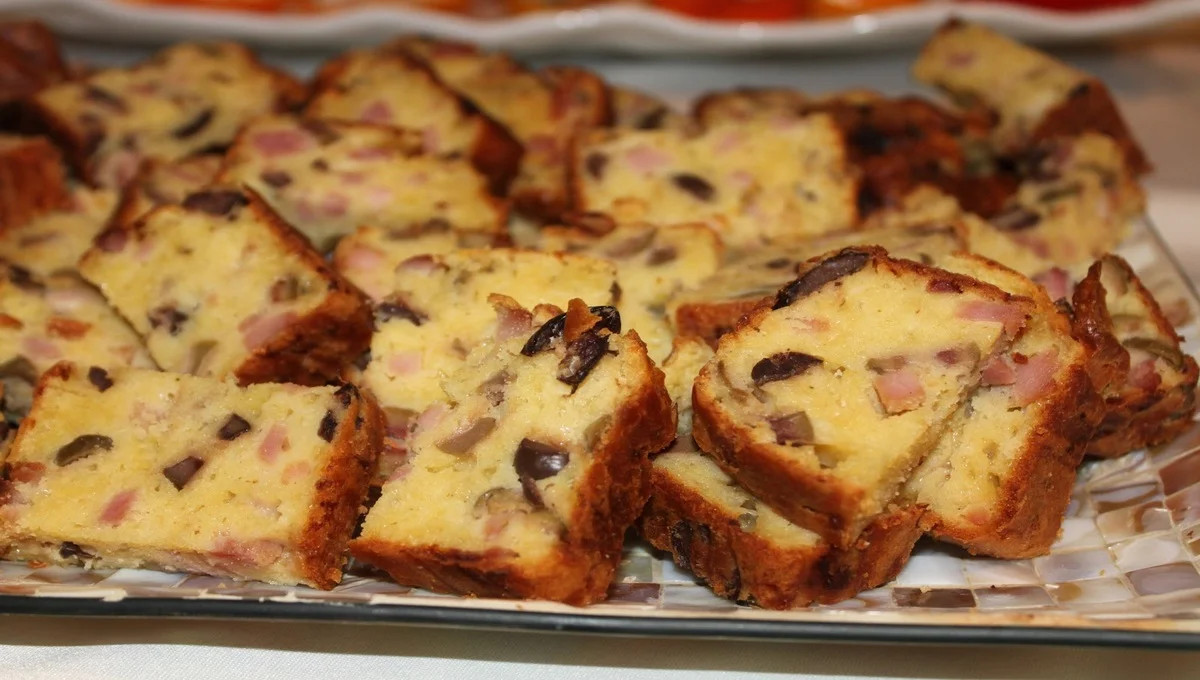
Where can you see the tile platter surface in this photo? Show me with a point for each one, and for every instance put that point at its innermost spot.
(1128, 556)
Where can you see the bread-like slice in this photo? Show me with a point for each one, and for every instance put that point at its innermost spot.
(220, 286)
(443, 306)
(653, 263)
(713, 308)
(32, 181)
(747, 552)
(1034, 96)
(162, 182)
(544, 110)
(1148, 383)
(389, 86)
(329, 178)
(824, 404)
(132, 468)
(185, 99)
(54, 242)
(642, 111)
(526, 485)
(368, 256)
(743, 180)
(1000, 479)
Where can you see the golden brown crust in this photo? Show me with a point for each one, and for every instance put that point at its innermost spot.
(314, 349)
(341, 489)
(875, 557)
(610, 498)
(1133, 417)
(712, 319)
(1090, 108)
(32, 181)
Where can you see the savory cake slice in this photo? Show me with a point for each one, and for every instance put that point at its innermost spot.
(1148, 383)
(756, 184)
(747, 552)
(388, 86)
(544, 110)
(1034, 97)
(328, 178)
(32, 180)
(220, 286)
(185, 99)
(1000, 479)
(824, 404)
(714, 307)
(369, 255)
(653, 263)
(54, 242)
(525, 483)
(131, 468)
(443, 306)
(162, 182)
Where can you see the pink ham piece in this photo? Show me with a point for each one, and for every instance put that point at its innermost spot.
(512, 322)
(1144, 376)
(352, 178)
(295, 472)
(1035, 377)
(431, 416)
(256, 553)
(400, 472)
(899, 391)
(259, 329)
(404, 363)
(378, 111)
(979, 310)
(335, 205)
(418, 264)
(37, 347)
(646, 159)
(815, 325)
(1057, 283)
(431, 140)
(379, 197)
(115, 511)
(360, 258)
(272, 444)
(277, 143)
(996, 371)
(118, 169)
(64, 300)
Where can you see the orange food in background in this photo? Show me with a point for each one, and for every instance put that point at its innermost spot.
(822, 9)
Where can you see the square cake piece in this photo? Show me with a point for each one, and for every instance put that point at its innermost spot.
(756, 184)
(389, 86)
(221, 286)
(822, 405)
(32, 180)
(132, 469)
(187, 98)
(329, 178)
(525, 485)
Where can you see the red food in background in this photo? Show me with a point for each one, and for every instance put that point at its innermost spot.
(1072, 5)
(840, 8)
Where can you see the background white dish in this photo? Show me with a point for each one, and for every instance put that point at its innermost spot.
(614, 28)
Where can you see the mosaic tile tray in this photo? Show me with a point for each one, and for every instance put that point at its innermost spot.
(1125, 570)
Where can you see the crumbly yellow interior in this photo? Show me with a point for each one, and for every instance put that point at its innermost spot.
(163, 182)
(866, 319)
(1020, 83)
(230, 276)
(473, 500)
(383, 88)
(924, 205)
(54, 242)
(962, 478)
(688, 356)
(1079, 218)
(700, 475)
(249, 498)
(984, 239)
(218, 84)
(756, 183)
(1134, 325)
(368, 257)
(67, 319)
(367, 175)
(450, 295)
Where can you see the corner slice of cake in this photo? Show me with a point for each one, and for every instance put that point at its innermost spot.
(388, 86)
(1148, 383)
(524, 484)
(54, 242)
(824, 404)
(220, 286)
(329, 178)
(714, 307)
(368, 256)
(32, 180)
(756, 184)
(1000, 479)
(183, 100)
(133, 468)
(745, 551)
(1034, 96)
(162, 182)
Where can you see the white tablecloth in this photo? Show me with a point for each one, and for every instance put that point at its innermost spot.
(1158, 84)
